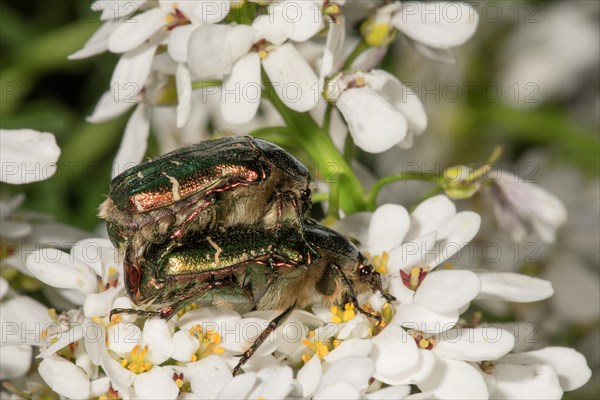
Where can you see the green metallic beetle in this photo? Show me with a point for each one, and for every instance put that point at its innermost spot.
(244, 269)
(210, 185)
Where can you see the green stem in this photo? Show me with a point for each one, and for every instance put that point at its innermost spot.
(205, 84)
(321, 150)
(360, 47)
(402, 176)
(327, 118)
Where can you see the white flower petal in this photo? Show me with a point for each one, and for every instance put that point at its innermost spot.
(390, 393)
(15, 361)
(178, 42)
(309, 376)
(184, 94)
(403, 99)
(333, 48)
(63, 339)
(157, 335)
(238, 335)
(108, 107)
(210, 12)
(114, 9)
(387, 229)
(453, 379)
(348, 348)
(157, 384)
(135, 31)
(131, 72)
(509, 286)
(571, 366)
(97, 43)
(352, 370)
(526, 382)
(338, 390)
(64, 377)
(456, 233)
(374, 124)
(100, 386)
(274, 30)
(185, 346)
(305, 17)
(208, 376)
(241, 92)
(206, 317)
(448, 290)
(27, 155)
(355, 226)
(411, 253)
(394, 352)
(430, 215)
(477, 344)
(59, 269)
(134, 142)
(293, 80)
(418, 317)
(437, 24)
(445, 56)
(212, 49)
(238, 388)
(100, 304)
(123, 337)
(279, 385)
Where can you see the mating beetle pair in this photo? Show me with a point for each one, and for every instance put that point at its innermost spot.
(222, 223)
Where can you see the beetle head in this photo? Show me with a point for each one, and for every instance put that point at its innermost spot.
(367, 274)
(283, 160)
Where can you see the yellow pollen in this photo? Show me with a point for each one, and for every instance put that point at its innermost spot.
(194, 357)
(322, 351)
(138, 362)
(332, 9)
(359, 81)
(378, 35)
(170, 18)
(380, 262)
(338, 316)
(218, 350)
(414, 277)
(115, 320)
(306, 358)
(311, 334)
(237, 4)
(336, 343)
(263, 54)
(103, 397)
(179, 383)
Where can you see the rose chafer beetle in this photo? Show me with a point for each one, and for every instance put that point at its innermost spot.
(245, 268)
(210, 185)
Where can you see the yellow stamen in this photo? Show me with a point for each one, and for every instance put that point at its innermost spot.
(414, 277)
(138, 362)
(262, 54)
(179, 383)
(380, 262)
(359, 81)
(378, 35)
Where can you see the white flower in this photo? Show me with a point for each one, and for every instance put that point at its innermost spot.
(380, 111)
(92, 268)
(22, 321)
(520, 206)
(64, 377)
(434, 28)
(27, 155)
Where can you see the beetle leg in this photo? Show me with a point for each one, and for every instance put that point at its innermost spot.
(245, 356)
(141, 313)
(351, 295)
